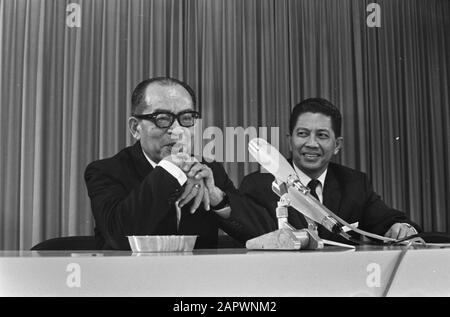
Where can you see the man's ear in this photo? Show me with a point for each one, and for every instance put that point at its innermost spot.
(339, 145)
(134, 127)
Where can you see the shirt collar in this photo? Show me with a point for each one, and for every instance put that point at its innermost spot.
(153, 164)
(305, 179)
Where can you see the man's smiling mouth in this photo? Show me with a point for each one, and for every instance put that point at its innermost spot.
(311, 155)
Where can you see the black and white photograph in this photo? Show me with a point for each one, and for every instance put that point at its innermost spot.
(224, 154)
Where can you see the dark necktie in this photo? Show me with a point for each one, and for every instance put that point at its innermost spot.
(312, 186)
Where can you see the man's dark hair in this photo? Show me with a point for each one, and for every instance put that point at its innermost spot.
(137, 99)
(317, 105)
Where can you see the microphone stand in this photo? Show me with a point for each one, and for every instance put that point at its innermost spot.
(286, 237)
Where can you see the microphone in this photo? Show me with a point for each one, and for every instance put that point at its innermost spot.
(298, 194)
(270, 159)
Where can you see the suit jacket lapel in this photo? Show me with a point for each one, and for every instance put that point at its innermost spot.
(143, 166)
(332, 192)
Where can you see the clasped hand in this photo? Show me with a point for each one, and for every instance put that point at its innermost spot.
(199, 186)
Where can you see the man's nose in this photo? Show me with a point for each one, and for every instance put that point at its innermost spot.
(312, 141)
(177, 132)
(174, 127)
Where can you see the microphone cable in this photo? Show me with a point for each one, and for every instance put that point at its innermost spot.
(428, 237)
(398, 262)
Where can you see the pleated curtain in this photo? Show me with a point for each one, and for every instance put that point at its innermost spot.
(65, 92)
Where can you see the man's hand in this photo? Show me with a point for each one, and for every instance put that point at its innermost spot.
(194, 189)
(400, 230)
(200, 185)
(201, 171)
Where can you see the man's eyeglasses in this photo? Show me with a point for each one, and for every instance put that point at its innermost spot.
(165, 119)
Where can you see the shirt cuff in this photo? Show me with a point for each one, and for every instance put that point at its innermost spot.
(224, 212)
(173, 170)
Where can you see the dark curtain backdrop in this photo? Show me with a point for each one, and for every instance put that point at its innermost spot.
(65, 92)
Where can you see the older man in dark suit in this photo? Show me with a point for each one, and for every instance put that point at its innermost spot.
(315, 137)
(154, 187)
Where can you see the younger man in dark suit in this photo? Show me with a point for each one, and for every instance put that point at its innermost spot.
(152, 187)
(315, 136)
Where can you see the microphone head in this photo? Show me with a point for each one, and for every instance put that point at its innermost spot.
(270, 159)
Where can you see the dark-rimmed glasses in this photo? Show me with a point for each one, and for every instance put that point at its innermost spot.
(165, 119)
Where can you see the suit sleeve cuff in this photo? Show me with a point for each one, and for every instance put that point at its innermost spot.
(223, 204)
(173, 170)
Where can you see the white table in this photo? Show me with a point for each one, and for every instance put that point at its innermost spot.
(226, 272)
